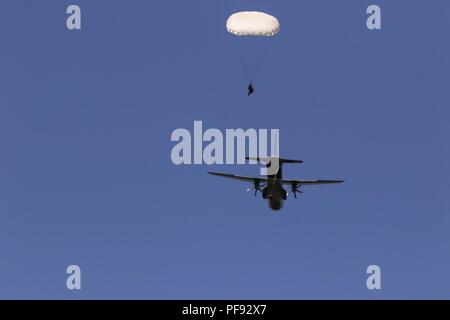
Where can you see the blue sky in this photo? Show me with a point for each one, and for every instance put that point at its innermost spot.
(86, 176)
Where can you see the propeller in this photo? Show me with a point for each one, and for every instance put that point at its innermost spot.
(256, 187)
(295, 189)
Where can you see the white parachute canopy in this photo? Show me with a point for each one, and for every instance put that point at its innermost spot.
(253, 23)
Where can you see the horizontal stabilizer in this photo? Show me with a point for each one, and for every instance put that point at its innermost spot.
(268, 159)
(309, 182)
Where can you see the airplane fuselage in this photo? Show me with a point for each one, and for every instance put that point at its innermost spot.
(274, 192)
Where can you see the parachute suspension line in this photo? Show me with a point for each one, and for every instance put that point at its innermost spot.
(264, 58)
(245, 70)
(257, 65)
(251, 66)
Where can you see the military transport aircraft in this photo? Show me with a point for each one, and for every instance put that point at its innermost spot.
(271, 186)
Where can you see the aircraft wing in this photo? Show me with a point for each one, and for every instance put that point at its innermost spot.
(309, 182)
(235, 177)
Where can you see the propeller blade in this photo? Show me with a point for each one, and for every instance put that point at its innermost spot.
(253, 188)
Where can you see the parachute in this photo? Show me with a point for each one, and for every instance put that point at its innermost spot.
(253, 23)
(255, 31)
